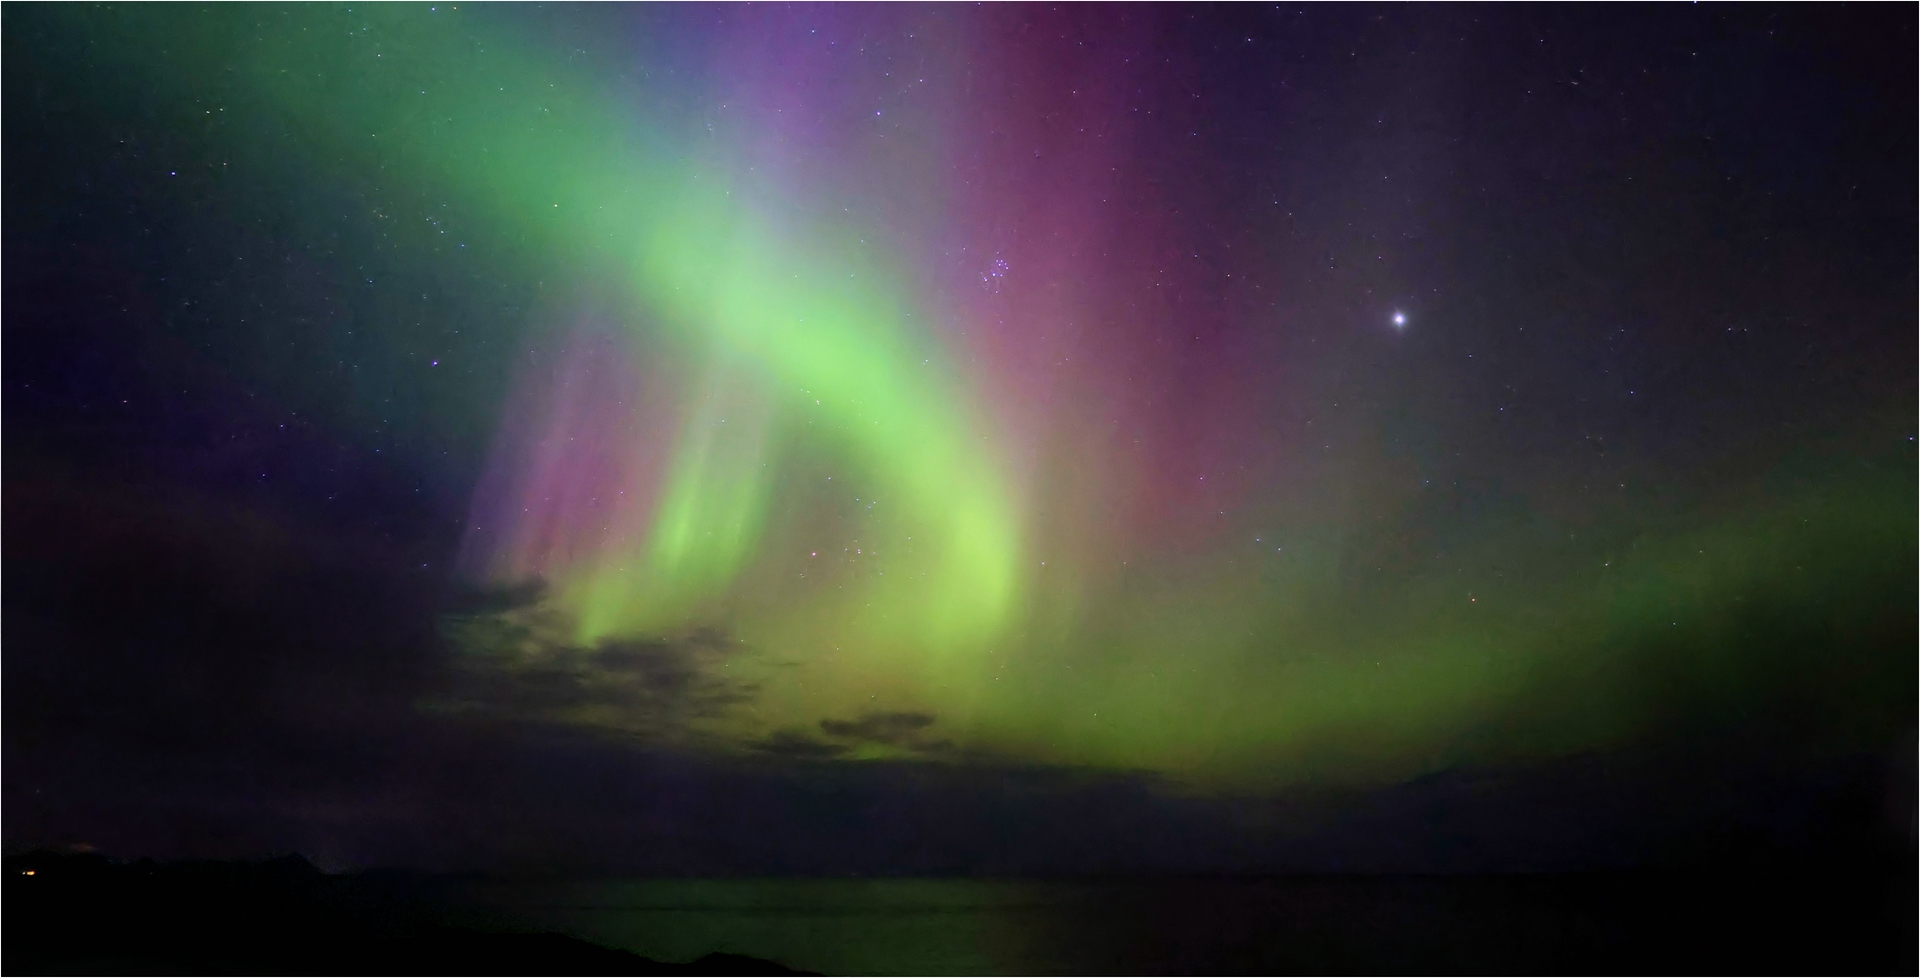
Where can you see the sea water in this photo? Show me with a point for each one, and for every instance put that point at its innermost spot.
(998, 926)
(830, 926)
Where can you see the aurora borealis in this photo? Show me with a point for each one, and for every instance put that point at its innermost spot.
(1245, 399)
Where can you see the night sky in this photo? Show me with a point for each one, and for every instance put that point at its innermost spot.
(960, 439)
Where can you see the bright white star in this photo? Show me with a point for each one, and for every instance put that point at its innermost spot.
(1400, 319)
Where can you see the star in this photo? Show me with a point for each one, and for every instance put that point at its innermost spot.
(1400, 320)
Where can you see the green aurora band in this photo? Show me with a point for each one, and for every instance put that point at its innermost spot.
(785, 348)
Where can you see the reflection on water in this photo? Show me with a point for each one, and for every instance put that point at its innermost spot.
(1175, 926)
(839, 926)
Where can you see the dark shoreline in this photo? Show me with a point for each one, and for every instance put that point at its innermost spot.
(81, 913)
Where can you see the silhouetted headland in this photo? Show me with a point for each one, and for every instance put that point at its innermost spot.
(81, 913)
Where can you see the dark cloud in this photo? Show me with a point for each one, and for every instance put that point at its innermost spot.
(880, 728)
(896, 732)
(899, 734)
(798, 746)
(516, 664)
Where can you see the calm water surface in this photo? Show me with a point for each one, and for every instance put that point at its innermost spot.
(855, 926)
(962, 926)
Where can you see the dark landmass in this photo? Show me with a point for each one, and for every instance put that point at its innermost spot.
(81, 913)
(72, 913)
